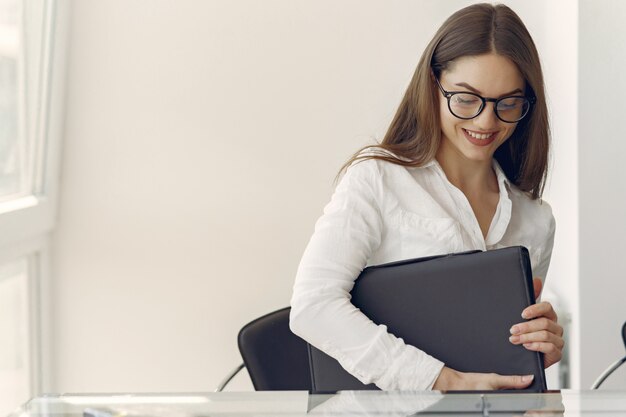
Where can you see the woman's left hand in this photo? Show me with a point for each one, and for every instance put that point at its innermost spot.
(542, 332)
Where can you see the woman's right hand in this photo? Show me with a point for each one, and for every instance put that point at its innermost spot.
(451, 380)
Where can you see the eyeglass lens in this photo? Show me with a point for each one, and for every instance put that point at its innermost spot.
(508, 109)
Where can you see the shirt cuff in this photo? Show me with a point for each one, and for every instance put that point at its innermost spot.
(412, 370)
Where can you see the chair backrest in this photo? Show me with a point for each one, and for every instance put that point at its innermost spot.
(276, 359)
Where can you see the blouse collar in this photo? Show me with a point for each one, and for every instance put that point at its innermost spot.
(502, 216)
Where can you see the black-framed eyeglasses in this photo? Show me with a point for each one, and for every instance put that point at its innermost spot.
(464, 105)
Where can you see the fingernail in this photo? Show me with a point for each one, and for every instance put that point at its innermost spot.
(514, 339)
(514, 329)
(528, 378)
(528, 345)
(525, 314)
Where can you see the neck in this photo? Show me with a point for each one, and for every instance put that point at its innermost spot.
(471, 177)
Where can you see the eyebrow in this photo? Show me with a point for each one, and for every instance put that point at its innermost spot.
(474, 90)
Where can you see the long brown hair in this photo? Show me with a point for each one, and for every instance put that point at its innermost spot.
(414, 135)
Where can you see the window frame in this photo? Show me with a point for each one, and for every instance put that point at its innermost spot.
(27, 221)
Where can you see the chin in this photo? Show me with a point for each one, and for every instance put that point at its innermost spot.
(478, 156)
(478, 153)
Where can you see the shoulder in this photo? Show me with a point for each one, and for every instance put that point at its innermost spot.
(370, 167)
(379, 163)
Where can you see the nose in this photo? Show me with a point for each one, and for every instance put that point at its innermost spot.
(487, 119)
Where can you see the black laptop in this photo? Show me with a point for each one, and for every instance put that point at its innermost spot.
(458, 308)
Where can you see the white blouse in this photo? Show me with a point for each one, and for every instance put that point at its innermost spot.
(383, 212)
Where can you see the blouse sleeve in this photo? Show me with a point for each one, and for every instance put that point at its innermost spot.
(346, 235)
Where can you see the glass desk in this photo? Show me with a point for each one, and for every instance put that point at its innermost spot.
(346, 403)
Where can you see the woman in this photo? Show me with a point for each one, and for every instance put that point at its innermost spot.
(461, 167)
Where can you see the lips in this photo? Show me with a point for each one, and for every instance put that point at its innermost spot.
(480, 138)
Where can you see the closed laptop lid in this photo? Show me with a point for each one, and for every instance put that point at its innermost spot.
(457, 308)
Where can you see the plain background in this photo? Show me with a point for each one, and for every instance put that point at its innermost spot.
(201, 143)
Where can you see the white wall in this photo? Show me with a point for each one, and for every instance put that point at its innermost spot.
(559, 52)
(202, 140)
(602, 59)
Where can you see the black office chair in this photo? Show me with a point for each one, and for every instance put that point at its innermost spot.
(276, 359)
(613, 367)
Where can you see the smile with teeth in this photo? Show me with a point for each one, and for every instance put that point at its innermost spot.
(480, 136)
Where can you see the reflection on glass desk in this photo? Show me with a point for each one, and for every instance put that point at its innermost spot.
(345, 403)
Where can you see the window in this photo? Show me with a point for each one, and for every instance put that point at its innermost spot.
(11, 166)
(30, 114)
(15, 372)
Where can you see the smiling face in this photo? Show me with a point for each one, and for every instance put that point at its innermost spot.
(477, 139)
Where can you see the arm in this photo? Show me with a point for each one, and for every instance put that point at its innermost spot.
(345, 237)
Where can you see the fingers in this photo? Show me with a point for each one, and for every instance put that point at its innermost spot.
(543, 336)
(547, 348)
(551, 353)
(543, 331)
(511, 381)
(537, 325)
(543, 309)
(540, 335)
